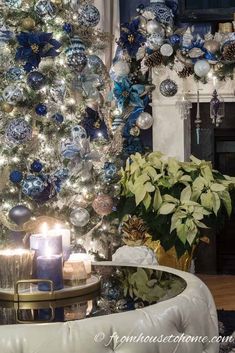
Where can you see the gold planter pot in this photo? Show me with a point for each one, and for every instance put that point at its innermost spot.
(169, 258)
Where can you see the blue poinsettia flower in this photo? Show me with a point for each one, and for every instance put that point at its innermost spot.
(131, 38)
(127, 94)
(33, 46)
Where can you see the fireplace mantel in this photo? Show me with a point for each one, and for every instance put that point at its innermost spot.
(172, 134)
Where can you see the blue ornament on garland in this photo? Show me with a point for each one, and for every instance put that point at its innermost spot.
(36, 167)
(33, 186)
(67, 27)
(15, 74)
(57, 118)
(175, 39)
(18, 131)
(20, 214)
(13, 4)
(62, 174)
(94, 126)
(36, 80)
(45, 9)
(110, 170)
(16, 176)
(41, 109)
(88, 15)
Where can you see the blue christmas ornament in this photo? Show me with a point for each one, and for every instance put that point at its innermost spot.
(174, 39)
(67, 27)
(41, 109)
(15, 74)
(88, 15)
(18, 131)
(33, 186)
(5, 35)
(62, 174)
(14, 4)
(69, 149)
(45, 8)
(36, 80)
(36, 167)
(16, 176)
(20, 214)
(110, 170)
(160, 11)
(57, 118)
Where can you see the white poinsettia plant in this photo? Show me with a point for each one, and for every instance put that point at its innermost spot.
(176, 199)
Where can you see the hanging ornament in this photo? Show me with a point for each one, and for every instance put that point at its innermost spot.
(184, 106)
(175, 39)
(144, 121)
(13, 94)
(15, 74)
(76, 58)
(187, 38)
(41, 109)
(5, 35)
(166, 50)
(18, 131)
(36, 80)
(201, 68)
(103, 204)
(79, 217)
(20, 214)
(212, 46)
(217, 110)
(168, 88)
(32, 186)
(110, 170)
(95, 64)
(28, 24)
(121, 68)
(13, 4)
(57, 118)
(58, 90)
(117, 122)
(155, 41)
(6, 107)
(16, 176)
(160, 12)
(88, 15)
(69, 149)
(45, 9)
(196, 53)
(36, 166)
(78, 133)
(154, 26)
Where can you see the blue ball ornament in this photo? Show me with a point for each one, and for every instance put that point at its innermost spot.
(110, 170)
(175, 39)
(57, 118)
(33, 186)
(67, 27)
(20, 214)
(13, 4)
(36, 167)
(36, 80)
(16, 176)
(41, 109)
(62, 174)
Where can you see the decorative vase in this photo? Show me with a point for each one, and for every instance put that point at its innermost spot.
(169, 258)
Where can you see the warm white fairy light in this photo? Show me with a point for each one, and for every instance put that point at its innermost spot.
(2, 160)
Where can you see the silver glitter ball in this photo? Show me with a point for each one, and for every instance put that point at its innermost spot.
(168, 88)
(18, 131)
(45, 9)
(88, 15)
(79, 217)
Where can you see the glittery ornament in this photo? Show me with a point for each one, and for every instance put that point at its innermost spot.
(32, 186)
(5, 35)
(6, 107)
(110, 170)
(117, 122)
(15, 74)
(166, 50)
(28, 24)
(168, 88)
(45, 9)
(103, 204)
(13, 4)
(41, 109)
(69, 149)
(76, 59)
(154, 26)
(155, 41)
(36, 167)
(201, 68)
(36, 80)
(20, 214)
(144, 121)
(18, 131)
(160, 12)
(57, 118)
(88, 15)
(78, 133)
(13, 94)
(16, 176)
(95, 64)
(79, 217)
(67, 27)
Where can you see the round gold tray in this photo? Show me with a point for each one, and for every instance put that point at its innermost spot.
(32, 294)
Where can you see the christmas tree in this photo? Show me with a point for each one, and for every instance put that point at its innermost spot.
(58, 162)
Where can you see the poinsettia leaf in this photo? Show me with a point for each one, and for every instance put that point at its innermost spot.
(217, 187)
(216, 202)
(166, 208)
(227, 202)
(186, 194)
(147, 201)
(157, 200)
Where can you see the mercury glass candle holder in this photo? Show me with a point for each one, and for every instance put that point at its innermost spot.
(16, 265)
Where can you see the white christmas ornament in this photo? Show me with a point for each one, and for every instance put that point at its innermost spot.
(144, 121)
(201, 68)
(166, 50)
(154, 26)
(121, 68)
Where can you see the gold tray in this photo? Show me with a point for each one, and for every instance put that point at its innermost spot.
(34, 295)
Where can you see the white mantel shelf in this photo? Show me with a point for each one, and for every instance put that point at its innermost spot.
(171, 134)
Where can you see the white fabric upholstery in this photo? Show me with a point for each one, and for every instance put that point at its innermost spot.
(192, 312)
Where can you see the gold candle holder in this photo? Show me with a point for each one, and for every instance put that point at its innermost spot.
(226, 27)
(16, 265)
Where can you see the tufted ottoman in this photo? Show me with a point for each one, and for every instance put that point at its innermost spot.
(191, 313)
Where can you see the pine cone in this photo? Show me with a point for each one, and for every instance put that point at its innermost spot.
(135, 231)
(229, 52)
(186, 72)
(154, 59)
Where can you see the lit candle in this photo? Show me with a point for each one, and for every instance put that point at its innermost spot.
(66, 239)
(50, 268)
(85, 258)
(44, 240)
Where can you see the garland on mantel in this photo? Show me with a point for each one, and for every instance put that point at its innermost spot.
(151, 40)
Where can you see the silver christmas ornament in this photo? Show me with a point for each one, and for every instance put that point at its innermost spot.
(13, 94)
(79, 217)
(88, 15)
(212, 45)
(20, 214)
(121, 68)
(32, 186)
(15, 74)
(95, 64)
(144, 121)
(78, 133)
(166, 50)
(45, 9)
(13, 4)
(201, 68)
(18, 131)
(168, 88)
(155, 40)
(76, 58)
(160, 12)
(154, 26)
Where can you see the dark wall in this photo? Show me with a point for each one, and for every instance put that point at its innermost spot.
(128, 8)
